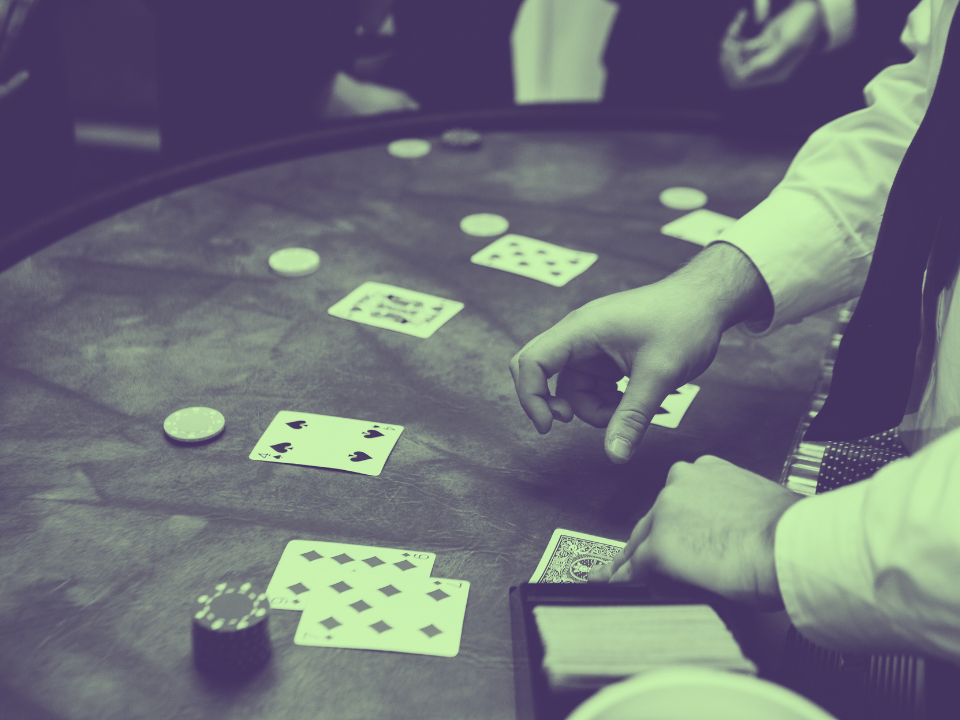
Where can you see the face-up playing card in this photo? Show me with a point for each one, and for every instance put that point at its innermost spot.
(534, 259)
(308, 564)
(700, 226)
(412, 614)
(360, 446)
(570, 556)
(674, 406)
(394, 308)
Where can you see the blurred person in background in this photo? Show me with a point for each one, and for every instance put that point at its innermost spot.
(803, 62)
(36, 129)
(233, 73)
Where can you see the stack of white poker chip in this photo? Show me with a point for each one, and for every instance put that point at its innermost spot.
(230, 631)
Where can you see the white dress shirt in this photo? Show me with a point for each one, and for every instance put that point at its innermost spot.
(873, 566)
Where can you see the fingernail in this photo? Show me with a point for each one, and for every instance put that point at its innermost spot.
(557, 415)
(620, 448)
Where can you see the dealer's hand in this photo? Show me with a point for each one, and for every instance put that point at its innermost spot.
(661, 335)
(772, 56)
(713, 525)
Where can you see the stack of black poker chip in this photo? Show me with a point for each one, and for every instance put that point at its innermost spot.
(461, 139)
(231, 638)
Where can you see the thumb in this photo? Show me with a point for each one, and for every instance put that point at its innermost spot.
(639, 405)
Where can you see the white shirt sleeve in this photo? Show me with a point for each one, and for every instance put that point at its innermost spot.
(875, 566)
(840, 20)
(812, 238)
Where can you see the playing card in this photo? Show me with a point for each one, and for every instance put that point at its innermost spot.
(308, 564)
(674, 406)
(570, 556)
(534, 259)
(366, 611)
(700, 226)
(360, 446)
(393, 308)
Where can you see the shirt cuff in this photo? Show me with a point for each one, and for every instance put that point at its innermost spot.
(825, 576)
(840, 21)
(808, 259)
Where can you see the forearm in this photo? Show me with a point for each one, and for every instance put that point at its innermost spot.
(730, 285)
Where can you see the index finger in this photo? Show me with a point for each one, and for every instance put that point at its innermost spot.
(537, 361)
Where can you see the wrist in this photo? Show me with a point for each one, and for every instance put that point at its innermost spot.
(729, 285)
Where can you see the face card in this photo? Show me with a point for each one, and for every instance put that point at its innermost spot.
(393, 308)
(412, 614)
(360, 446)
(536, 259)
(700, 226)
(674, 406)
(570, 556)
(308, 564)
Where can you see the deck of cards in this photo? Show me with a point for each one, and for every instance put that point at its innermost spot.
(369, 598)
(570, 556)
(591, 646)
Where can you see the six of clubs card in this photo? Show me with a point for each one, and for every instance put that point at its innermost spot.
(394, 308)
(534, 259)
(326, 441)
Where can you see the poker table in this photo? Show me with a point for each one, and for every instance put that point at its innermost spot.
(157, 296)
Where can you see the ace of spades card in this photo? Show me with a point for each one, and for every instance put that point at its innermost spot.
(394, 308)
(403, 613)
(327, 441)
(535, 259)
(307, 564)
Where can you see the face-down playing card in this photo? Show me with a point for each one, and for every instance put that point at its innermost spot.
(570, 556)
(366, 611)
(674, 405)
(700, 226)
(394, 308)
(308, 564)
(536, 259)
(327, 441)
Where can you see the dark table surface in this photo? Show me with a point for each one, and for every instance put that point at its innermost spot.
(109, 531)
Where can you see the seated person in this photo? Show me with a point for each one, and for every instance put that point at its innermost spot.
(807, 66)
(233, 73)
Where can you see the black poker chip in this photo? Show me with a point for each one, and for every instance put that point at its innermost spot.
(462, 139)
(231, 638)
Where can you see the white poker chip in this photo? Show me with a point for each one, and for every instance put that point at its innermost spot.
(484, 224)
(294, 262)
(683, 198)
(194, 424)
(409, 148)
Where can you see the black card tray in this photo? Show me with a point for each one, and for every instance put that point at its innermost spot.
(535, 700)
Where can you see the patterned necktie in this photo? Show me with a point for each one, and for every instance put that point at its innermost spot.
(875, 362)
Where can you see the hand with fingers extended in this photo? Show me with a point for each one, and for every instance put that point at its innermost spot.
(772, 56)
(661, 335)
(713, 525)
